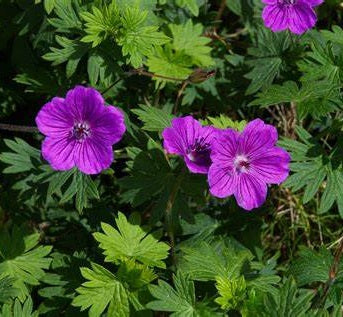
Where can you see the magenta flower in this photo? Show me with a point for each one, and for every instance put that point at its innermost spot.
(244, 163)
(80, 131)
(186, 137)
(296, 15)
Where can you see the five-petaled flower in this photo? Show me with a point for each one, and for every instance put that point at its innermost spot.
(186, 137)
(296, 15)
(80, 131)
(244, 163)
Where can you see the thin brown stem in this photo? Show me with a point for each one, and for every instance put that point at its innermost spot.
(332, 273)
(18, 128)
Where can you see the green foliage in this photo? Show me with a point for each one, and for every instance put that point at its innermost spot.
(22, 259)
(65, 185)
(138, 40)
(313, 169)
(232, 292)
(289, 301)
(180, 301)
(131, 242)
(7, 291)
(102, 289)
(191, 5)
(101, 24)
(154, 119)
(17, 309)
(312, 266)
(313, 98)
(224, 122)
(268, 59)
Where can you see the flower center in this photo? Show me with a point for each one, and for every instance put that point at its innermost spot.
(287, 2)
(242, 164)
(81, 130)
(199, 152)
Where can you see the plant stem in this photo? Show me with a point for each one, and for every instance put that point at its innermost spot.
(332, 273)
(18, 128)
(169, 213)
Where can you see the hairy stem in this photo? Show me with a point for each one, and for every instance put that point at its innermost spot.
(18, 128)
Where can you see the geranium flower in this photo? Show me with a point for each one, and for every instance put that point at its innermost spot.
(186, 137)
(80, 131)
(296, 15)
(244, 163)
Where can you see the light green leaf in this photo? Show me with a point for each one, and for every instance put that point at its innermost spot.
(131, 242)
(102, 290)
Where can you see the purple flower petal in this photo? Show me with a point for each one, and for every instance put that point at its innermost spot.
(225, 146)
(54, 119)
(222, 180)
(272, 166)
(84, 103)
(181, 135)
(275, 17)
(251, 192)
(302, 18)
(312, 3)
(104, 127)
(256, 137)
(59, 152)
(91, 157)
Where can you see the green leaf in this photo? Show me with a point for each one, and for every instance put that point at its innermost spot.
(22, 259)
(224, 122)
(179, 300)
(49, 5)
(131, 242)
(232, 292)
(207, 262)
(313, 98)
(312, 266)
(289, 301)
(154, 119)
(267, 61)
(71, 52)
(7, 291)
(22, 159)
(67, 12)
(314, 169)
(187, 38)
(169, 63)
(191, 5)
(17, 309)
(101, 24)
(137, 39)
(102, 290)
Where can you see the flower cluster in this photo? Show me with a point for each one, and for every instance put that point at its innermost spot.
(239, 164)
(80, 131)
(298, 16)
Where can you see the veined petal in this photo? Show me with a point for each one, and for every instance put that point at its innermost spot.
(301, 18)
(256, 138)
(55, 119)
(224, 147)
(222, 180)
(272, 166)
(251, 192)
(109, 126)
(312, 3)
(59, 152)
(85, 103)
(270, 2)
(275, 17)
(181, 135)
(91, 157)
